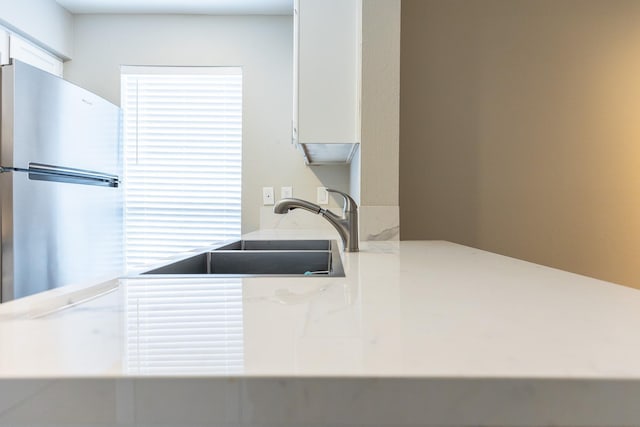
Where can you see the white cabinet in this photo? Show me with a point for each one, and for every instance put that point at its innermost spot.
(31, 54)
(326, 113)
(4, 47)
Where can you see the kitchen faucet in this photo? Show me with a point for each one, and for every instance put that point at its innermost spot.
(347, 225)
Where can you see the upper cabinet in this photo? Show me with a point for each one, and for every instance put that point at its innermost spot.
(4, 47)
(13, 46)
(327, 74)
(31, 54)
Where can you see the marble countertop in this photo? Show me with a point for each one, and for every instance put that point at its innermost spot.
(425, 333)
(411, 309)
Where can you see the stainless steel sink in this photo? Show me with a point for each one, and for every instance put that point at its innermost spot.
(261, 258)
(278, 245)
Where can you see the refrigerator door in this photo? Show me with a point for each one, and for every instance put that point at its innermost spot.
(50, 121)
(54, 136)
(56, 233)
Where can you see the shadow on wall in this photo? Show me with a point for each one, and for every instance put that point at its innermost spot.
(333, 176)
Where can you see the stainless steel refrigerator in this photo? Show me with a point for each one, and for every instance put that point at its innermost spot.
(60, 191)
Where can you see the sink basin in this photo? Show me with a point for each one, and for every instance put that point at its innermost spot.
(246, 258)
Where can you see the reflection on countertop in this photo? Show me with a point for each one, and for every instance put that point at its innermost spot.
(183, 327)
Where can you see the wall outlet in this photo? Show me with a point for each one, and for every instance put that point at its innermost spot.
(286, 192)
(323, 196)
(267, 196)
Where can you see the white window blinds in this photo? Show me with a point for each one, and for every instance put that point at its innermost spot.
(182, 131)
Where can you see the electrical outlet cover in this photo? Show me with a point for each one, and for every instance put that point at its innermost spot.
(267, 196)
(286, 192)
(323, 196)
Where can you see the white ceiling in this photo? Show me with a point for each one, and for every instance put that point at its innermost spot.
(208, 7)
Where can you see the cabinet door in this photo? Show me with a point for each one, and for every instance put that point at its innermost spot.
(28, 53)
(326, 71)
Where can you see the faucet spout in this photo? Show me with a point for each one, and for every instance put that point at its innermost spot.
(347, 225)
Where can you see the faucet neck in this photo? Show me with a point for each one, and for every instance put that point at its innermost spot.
(349, 222)
(347, 227)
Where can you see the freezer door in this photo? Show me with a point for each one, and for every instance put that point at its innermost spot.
(56, 233)
(50, 121)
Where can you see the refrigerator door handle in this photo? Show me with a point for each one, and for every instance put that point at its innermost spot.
(42, 172)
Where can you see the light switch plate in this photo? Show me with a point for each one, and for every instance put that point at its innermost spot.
(267, 196)
(323, 196)
(286, 192)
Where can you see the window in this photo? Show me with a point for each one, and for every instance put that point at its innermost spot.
(182, 130)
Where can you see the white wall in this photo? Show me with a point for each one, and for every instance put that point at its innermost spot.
(43, 22)
(262, 45)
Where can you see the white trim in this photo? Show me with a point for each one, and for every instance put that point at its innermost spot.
(177, 70)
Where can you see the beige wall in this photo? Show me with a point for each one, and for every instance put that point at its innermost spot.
(380, 98)
(262, 45)
(380, 91)
(520, 130)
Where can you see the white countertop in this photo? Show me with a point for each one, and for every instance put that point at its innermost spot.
(411, 309)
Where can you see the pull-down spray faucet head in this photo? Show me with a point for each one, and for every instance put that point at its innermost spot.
(347, 225)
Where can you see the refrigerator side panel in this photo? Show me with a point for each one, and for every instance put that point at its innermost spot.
(68, 235)
(58, 123)
(6, 218)
(6, 118)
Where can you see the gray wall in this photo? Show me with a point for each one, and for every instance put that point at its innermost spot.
(520, 130)
(262, 45)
